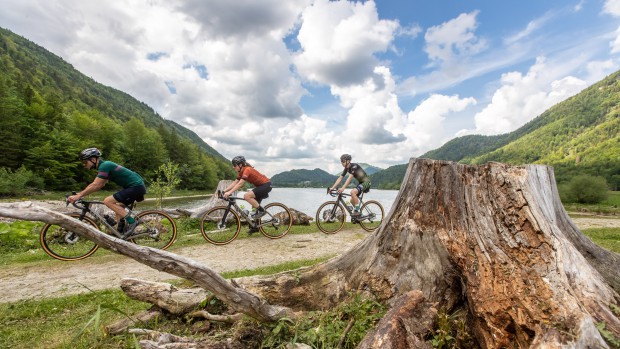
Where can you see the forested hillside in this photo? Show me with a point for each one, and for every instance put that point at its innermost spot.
(49, 112)
(316, 178)
(578, 136)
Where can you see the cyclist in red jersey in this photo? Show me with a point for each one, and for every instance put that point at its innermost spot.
(247, 173)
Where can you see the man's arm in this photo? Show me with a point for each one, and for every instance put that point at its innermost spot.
(96, 185)
(344, 186)
(336, 183)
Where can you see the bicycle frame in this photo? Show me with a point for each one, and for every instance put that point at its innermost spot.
(340, 200)
(85, 208)
(232, 204)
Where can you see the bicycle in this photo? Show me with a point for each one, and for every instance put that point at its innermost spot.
(155, 229)
(221, 224)
(331, 216)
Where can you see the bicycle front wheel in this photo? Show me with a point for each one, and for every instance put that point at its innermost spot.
(371, 215)
(220, 225)
(155, 229)
(66, 245)
(276, 222)
(330, 217)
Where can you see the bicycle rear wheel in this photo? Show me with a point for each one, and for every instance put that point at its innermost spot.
(66, 245)
(155, 229)
(371, 215)
(277, 220)
(330, 217)
(216, 229)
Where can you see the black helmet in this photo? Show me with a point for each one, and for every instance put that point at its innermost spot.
(345, 157)
(238, 160)
(89, 153)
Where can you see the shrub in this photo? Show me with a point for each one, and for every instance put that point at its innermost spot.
(584, 189)
(18, 182)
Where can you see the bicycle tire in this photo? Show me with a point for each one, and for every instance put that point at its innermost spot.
(216, 234)
(65, 245)
(282, 221)
(155, 229)
(330, 223)
(374, 213)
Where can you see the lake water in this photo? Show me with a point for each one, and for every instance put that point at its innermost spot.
(306, 200)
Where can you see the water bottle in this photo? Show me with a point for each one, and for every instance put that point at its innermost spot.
(245, 212)
(109, 219)
(349, 206)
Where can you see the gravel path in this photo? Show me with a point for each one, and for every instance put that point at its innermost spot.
(56, 278)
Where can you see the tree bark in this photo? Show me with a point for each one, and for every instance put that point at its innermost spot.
(213, 201)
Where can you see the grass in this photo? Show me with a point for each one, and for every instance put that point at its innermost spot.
(610, 206)
(62, 322)
(608, 238)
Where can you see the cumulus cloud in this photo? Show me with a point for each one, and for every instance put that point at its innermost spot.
(425, 123)
(612, 7)
(453, 39)
(523, 97)
(338, 40)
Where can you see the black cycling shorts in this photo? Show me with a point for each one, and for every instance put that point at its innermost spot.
(262, 191)
(129, 195)
(363, 187)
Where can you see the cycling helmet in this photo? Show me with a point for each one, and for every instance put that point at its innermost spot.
(345, 157)
(89, 153)
(238, 160)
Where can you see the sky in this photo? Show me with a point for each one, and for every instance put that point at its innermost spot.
(294, 84)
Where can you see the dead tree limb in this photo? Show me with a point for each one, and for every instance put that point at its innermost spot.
(236, 298)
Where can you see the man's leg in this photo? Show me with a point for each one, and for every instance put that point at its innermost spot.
(115, 206)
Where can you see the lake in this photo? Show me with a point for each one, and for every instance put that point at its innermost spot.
(306, 200)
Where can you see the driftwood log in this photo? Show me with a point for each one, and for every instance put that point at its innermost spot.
(493, 240)
(213, 201)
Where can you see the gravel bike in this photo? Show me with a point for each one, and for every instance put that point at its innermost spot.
(221, 224)
(331, 215)
(155, 229)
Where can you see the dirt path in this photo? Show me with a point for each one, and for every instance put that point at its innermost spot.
(54, 278)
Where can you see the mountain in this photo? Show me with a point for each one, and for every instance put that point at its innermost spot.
(369, 168)
(49, 111)
(580, 135)
(390, 178)
(316, 178)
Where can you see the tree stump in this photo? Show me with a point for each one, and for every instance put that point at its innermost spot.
(494, 239)
(213, 201)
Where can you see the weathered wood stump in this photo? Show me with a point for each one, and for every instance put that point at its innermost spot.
(213, 201)
(494, 239)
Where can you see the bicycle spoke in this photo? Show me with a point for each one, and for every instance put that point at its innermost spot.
(330, 217)
(155, 229)
(276, 222)
(371, 215)
(65, 245)
(216, 229)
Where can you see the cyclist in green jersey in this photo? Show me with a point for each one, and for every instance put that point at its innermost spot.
(355, 171)
(133, 187)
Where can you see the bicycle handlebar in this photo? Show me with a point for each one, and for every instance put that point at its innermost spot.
(334, 192)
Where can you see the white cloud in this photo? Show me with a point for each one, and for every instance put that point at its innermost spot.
(612, 7)
(453, 39)
(523, 97)
(425, 124)
(338, 40)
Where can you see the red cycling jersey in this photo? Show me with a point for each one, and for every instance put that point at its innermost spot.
(249, 174)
